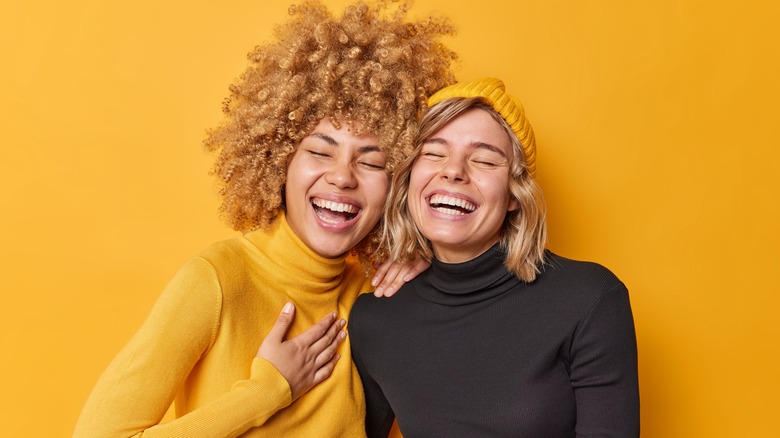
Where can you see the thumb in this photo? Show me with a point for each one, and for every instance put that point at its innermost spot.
(282, 323)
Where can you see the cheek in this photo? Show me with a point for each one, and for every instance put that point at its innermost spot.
(295, 172)
(417, 181)
(302, 173)
(414, 199)
(377, 190)
(502, 197)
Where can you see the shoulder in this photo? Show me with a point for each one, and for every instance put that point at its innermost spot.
(370, 313)
(364, 307)
(230, 259)
(580, 283)
(213, 273)
(225, 252)
(583, 274)
(364, 320)
(368, 304)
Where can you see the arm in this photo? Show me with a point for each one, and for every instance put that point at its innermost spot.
(136, 390)
(379, 414)
(141, 382)
(604, 369)
(302, 361)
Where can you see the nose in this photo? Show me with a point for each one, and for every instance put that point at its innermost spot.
(341, 175)
(454, 170)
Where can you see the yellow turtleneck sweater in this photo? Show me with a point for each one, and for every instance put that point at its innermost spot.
(199, 342)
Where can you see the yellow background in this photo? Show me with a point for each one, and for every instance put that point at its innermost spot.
(658, 149)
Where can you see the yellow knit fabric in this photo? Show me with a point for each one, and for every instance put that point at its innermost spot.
(199, 342)
(510, 108)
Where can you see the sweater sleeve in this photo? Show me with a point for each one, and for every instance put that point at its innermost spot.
(138, 387)
(604, 369)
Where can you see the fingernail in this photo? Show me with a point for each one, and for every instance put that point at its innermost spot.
(342, 323)
(374, 281)
(343, 335)
(287, 308)
(378, 291)
(388, 291)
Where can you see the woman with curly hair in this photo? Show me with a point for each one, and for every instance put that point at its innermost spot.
(313, 129)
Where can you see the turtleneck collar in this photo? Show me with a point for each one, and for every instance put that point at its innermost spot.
(456, 284)
(287, 252)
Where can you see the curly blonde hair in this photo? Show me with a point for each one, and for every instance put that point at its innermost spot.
(371, 69)
(524, 231)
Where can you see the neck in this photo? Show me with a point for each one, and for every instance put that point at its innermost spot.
(460, 253)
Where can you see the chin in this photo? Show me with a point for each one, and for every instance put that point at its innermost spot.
(331, 250)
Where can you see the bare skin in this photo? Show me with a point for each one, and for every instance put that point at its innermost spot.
(309, 358)
(332, 171)
(390, 276)
(306, 359)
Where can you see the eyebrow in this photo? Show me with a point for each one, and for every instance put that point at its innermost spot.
(331, 141)
(476, 144)
(326, 138)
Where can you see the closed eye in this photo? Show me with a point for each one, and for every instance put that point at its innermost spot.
(317, 153)
(433, 148)
(372, 165)
(432, 155)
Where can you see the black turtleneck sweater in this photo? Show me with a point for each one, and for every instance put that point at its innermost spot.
(470, 350)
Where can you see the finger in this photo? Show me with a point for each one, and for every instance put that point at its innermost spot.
(330, 350)
(328, 338)
(282, 323)
(391, 274)
(415, 269)
(381, 270)
(407, 273)
(324, 371)
(317, 330)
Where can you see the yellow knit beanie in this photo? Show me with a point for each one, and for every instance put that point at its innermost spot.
(493, 90)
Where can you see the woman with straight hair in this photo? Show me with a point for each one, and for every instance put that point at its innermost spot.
(499, 337)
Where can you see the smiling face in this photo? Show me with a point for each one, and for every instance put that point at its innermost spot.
(335, 189)
(459, 186)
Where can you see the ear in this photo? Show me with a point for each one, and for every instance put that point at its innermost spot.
(513, 205)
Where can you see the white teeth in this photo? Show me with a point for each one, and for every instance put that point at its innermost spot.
(449, 200)
(450, 211)
(326, 219)
(335, 206)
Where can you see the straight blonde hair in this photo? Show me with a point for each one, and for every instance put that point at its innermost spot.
(524, 231)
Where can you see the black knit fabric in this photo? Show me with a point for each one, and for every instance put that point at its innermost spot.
(469, 350)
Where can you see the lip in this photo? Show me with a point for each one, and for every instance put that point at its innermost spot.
(447, 193)
(337, 204)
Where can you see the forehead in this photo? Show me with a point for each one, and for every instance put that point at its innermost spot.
(472, 128)
(345, 132)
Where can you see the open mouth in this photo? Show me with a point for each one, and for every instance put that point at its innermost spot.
(334, 212)
(450, 205)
